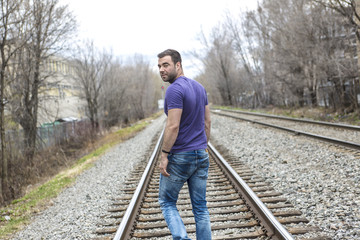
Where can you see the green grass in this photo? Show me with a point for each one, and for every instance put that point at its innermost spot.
(20, 210)
(93, 154)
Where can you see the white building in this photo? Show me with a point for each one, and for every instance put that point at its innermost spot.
(61, 95)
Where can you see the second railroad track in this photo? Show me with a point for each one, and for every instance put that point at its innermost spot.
(338, 134)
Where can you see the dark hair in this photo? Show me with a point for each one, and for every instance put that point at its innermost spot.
(175, 55)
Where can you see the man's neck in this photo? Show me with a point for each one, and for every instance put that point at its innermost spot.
(180, 75)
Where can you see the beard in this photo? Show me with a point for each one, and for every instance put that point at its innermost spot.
(169, 77)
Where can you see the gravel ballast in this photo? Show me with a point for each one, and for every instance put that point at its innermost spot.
(76, 212)
(320, 180)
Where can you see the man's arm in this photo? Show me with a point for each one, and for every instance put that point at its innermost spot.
(170, 135)
(207, 122)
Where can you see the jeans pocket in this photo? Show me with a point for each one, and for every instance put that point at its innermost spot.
(178, 172)
(203, 169)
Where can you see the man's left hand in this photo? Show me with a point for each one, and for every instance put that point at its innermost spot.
(163, 165)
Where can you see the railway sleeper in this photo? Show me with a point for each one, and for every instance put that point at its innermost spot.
(191, 229)
(162, 224)
(212, 211)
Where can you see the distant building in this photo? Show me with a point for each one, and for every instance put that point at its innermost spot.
(61, 95)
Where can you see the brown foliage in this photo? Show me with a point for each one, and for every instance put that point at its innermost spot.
(44, 165)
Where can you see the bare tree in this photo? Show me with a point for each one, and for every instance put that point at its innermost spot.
(11, 15)
(286, 52)
(113, 95)
(249, 57)
(278, 23)
(295, 58)
(347, 8)
(131, 91)
(220, 64)
(141, 94)
(92, 69)
(47, 29)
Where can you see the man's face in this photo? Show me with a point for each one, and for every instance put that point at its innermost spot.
(168, 70)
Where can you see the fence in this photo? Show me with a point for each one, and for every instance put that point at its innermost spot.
(48, 136)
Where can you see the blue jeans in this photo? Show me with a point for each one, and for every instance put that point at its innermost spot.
(191, 167)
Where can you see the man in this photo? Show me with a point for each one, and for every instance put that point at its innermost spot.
(184, 156)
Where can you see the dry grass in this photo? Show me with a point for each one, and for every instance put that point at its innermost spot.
(320, 114)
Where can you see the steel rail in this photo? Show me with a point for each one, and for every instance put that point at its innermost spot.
(296, 132)
(339, 125)
(274, 228)
(125, 227)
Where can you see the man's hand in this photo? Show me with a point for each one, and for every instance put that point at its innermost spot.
(163, 164)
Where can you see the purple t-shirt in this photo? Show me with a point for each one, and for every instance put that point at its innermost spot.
(190, 96)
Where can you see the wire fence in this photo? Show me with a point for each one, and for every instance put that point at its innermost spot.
(48, 136)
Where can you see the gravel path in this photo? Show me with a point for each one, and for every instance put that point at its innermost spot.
(76, 212)
(320, 180)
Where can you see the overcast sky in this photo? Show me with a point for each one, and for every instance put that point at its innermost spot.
(148, 27)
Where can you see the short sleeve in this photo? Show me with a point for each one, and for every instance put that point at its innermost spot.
(174, 97)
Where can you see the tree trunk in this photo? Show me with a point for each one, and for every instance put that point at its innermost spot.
(4, 160)
(355, 92)
(30, 140)
(4, 186)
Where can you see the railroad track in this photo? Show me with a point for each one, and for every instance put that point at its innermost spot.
(339, 134)
(241, 205)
